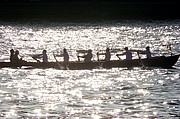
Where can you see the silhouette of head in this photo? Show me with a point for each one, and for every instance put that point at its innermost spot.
(147, 48)
(44, 51)
(12, 51)
(16, 52)
(107, 49)
(89, 51)
(126, 48)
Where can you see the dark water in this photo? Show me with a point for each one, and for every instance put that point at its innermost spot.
(99, 93)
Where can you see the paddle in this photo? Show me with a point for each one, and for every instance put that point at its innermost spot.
(81, 52)
(35, 57)
(60, 66)
(78, 59)
(99, 64)
(118, 57)
(98, 56)
(143, 65)
(115, 50)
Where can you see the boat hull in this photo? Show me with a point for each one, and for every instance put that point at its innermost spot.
(163, 62)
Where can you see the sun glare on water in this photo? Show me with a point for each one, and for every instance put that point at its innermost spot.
(98, 93)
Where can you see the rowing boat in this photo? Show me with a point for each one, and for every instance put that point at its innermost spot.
(160, 61)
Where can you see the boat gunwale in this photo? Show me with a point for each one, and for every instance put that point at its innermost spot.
(169, 62)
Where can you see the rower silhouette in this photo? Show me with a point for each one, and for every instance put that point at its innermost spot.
(87, 57)
(107, 55)
(11, 55)
(43, 56)
(127, 53)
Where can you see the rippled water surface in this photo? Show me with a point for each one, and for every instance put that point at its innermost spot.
(98, 93)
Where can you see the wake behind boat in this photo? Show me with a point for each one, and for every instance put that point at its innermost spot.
(160, 61)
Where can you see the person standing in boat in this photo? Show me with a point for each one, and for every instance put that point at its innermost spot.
(88, 56)
(147, 52)
(107, 55)
(11, 55)
(127, 53)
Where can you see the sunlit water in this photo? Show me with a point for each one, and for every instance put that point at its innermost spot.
(98, 93)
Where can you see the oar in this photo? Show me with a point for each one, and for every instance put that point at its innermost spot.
(118, 57)
(99, 65)
(60, 66)
(78, 58)
(98, 56)
(82, 51)
(35, 58)
(116, 50)
(143, 65)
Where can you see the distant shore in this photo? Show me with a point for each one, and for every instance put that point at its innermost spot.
(84, 10)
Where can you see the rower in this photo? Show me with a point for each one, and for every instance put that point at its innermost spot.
(87, 57)
(65, 55)
(107, 55)
(15, 57)
(147, 52)
(43, 56)
(127, 53)
(11, 55)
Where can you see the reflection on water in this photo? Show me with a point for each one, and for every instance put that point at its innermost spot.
(93, 93)
(98, 93)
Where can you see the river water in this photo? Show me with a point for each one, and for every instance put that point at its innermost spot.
(93, 94)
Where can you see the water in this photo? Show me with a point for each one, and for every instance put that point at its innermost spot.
(98, 93)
